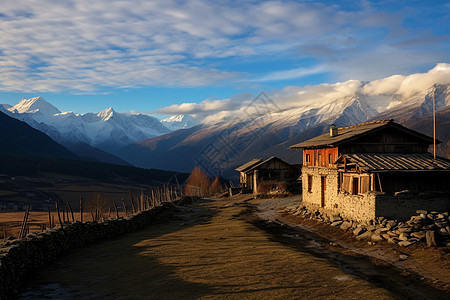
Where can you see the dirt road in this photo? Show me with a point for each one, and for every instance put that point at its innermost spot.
(217, 249)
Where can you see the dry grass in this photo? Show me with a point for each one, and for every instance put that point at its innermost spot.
(13, 220)
(208, 252)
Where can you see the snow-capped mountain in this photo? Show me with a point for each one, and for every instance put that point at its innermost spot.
(219, 147)
(180, 122)
(107, 130)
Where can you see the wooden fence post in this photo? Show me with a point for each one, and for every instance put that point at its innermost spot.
(49, 219)
(117, 211)
(81, 209)
(59, 216)
(132, 202)
(71, 211)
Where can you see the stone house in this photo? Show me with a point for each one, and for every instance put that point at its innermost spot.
(272, 169)
(371, 170)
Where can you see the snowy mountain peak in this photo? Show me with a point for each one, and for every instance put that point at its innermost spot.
(179, 122)
(34, 105)
(106, 114)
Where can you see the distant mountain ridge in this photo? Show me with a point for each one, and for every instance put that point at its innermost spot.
(223, 146)
(18, 138)
(107, 130)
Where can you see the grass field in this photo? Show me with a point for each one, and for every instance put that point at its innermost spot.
(42, 192)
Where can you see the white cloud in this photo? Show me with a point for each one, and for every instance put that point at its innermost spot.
(86, 45)
(315, 95)
(411, 84)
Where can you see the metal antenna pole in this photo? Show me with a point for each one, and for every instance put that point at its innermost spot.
(434, 123)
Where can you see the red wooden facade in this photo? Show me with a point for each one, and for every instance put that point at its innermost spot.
(322, 157)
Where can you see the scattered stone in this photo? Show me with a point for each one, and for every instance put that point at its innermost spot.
(392, 233)
(365, 236)
(419, 235)
(370, 228)
(335, 218)
(421, 211)
(392, 240)
(346, 225)
(376, 238)
(386, 236)
(403, 236)
(405, 243)
(403, 257)
(431, 238)
(336, 223)
(358, 231)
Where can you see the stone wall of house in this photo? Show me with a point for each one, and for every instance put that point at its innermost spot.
(314, 198)
(367, 206)
(20, 256)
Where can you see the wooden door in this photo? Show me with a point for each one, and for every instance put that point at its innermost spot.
(323, 181)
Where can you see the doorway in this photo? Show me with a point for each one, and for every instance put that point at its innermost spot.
(323, 181)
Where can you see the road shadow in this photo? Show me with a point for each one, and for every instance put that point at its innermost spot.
(402, 284)
(122, 267)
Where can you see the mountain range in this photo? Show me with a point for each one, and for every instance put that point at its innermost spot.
(221, 147)
(221, 142)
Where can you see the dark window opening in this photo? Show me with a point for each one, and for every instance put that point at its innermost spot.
(310, 181)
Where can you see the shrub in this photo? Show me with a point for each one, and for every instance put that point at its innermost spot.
(198, 184)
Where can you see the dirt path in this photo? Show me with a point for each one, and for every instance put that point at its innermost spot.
(217, 249)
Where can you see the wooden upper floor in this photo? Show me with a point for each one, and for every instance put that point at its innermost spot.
(372, 137)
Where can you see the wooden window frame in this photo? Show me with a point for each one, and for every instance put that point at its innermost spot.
(310, 183)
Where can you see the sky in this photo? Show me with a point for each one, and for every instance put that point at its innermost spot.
(162, 57)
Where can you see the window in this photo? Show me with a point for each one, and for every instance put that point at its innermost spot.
(308, 158)
(330, 159)
(310, 180)
(355, 186)
(319, 159)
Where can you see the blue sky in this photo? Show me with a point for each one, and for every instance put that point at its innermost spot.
(147, 55)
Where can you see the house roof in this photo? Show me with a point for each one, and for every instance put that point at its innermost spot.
(346, 134)
(266, 161)
(395, 162)
(249, 164)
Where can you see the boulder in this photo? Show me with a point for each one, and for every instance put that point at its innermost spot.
(403, 236)
(359, 230)
(431, 238)
(376, 238)
(370, 228)
(405, 243)
(346, 225)
(335, 218)
(336, 223)
(365, 236)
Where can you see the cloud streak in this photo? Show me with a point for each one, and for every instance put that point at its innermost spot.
(89, 46)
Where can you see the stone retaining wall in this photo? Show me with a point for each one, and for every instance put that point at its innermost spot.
(20, 256)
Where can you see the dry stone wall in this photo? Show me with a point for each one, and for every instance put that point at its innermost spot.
(20, 256)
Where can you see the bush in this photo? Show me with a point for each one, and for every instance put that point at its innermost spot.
(272, 186)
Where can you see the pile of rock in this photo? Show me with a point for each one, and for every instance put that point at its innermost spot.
(430, 227)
